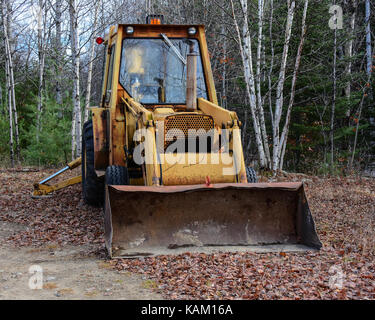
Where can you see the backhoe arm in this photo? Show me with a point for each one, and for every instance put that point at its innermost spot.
(42, 189)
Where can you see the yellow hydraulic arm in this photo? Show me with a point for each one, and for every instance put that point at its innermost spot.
(42, 189)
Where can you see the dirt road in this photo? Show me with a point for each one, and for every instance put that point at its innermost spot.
(68, 273)
(64, 236)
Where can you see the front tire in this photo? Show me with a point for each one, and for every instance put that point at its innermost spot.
(251, 175)
(116, 175)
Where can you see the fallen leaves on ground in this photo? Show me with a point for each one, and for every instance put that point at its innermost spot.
(60, 219)
(344, 213)
(255, 276)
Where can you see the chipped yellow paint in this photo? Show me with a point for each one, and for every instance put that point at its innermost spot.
(126, 115)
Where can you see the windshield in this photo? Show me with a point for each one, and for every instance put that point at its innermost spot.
(152, 72)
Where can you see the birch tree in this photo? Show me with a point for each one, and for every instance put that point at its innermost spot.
(369, 73)
(12, 81)
(58, 48)
(349, 48)
(280, 89)
(244, 41)
(333, 108)
(11, 98)
(76, 120)
(271, 62)
(253, 82)
(41, 18)
(91, 61)
(10, 112)
(268, 70)
(368, 39)
(258, 81)
(224, 71)
(284, 135)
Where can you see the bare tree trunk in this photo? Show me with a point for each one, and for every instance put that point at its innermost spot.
(368, 38)
(280, 89)
(258, 80)
(271, 64)
(41, 57)
(12, 110)
(89, 74)
(58, 48)
(148, 7)
(244, 41)
(13, 89)
(224, 72)
(369, 72)
(349, 50)
(333, 108)
(356, 131)
(12, 82)
(76, 121)
(284, 135)
(15, 114)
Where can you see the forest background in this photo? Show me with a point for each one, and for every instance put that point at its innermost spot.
(298, 73)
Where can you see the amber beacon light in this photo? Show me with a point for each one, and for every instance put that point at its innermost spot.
(155, 19)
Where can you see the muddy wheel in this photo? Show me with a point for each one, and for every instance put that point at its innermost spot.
(92, 186)
(251, 175)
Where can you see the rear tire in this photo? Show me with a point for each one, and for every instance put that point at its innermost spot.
(92, 186)
(251, 175)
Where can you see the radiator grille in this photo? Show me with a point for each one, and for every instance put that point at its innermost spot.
(177, 126)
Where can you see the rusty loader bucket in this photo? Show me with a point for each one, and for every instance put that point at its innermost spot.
(142, 220)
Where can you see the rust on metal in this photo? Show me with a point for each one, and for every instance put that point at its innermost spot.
(142, 217)
(191, 80)
(293, 186)
(45, 189)
(187, 203)
(100, 131)
(194, 168)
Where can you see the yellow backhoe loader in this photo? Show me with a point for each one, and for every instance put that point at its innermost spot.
(167, 161)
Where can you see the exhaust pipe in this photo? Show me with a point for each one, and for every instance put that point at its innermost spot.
(191, 79)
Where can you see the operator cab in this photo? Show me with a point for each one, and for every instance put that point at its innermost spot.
(153, 63)
(153, 71)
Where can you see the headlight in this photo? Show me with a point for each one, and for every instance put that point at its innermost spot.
(129, 30)
(192, 31)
